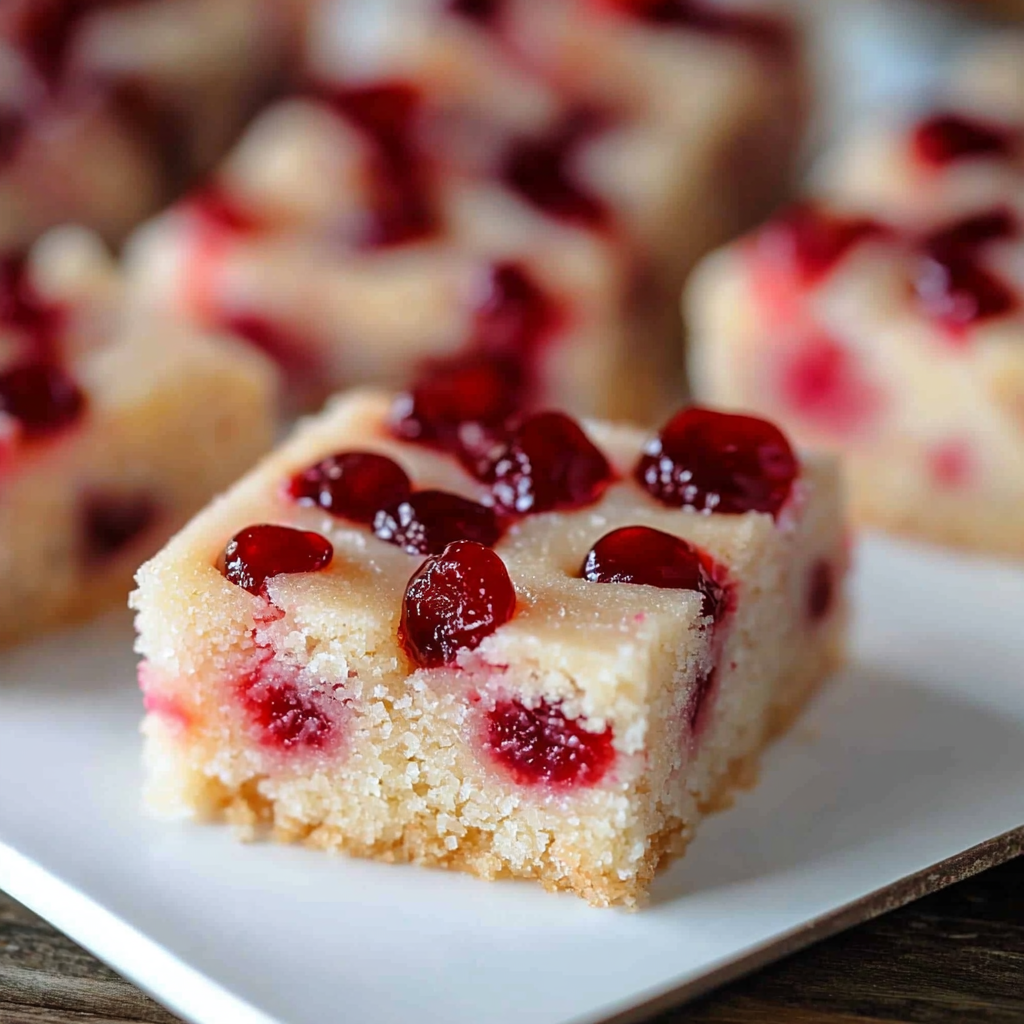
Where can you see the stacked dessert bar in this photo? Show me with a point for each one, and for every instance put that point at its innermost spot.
(883, 317)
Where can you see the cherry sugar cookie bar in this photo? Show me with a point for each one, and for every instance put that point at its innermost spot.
(884, 316)
(429, 160)
(544, 654)
(516, 309)
(662, 124)
(107, 107)
(112, 432)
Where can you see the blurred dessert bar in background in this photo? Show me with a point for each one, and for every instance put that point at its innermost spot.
(883, 317)
(587, 150)
(108, 109)
(113, 431)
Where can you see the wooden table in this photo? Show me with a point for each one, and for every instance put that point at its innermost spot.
(956, 956)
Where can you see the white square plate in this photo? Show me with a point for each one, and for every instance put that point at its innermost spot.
(914, 755)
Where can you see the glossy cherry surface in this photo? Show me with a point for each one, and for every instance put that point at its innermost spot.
(453, 602)
(426, 522)
(259, 552)
(719, 462)
(353, 485)
(547, 462)
(642, 555)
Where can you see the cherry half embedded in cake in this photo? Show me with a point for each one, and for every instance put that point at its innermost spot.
(453, 601)
(475, 389)
(824, 383)
(496, 373)
(719, 462)
(642, 555)
(259, 552)
(808, 241)
(354, 485)
(512, 315)
(542, 171)
(38, 323)
(946, 138)
(402, 206)
(41, 398)
(546, 462)
(957, 292)
(284, 716)
(537, 744)
(952, 285)
(426, 522)
(553, 703)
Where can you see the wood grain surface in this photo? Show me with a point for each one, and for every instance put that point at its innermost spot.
(955, 957)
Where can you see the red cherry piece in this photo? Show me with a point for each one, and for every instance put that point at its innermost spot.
(547, 463)
(956, 292)
(512, 314)
(471, 389)
(219, 210)
(758, 30)
(41, 397)
(110, 522)
(285, 717)
(639, 554)
(821, 381)
(490, 381)
(821, 587)
(453, 601)
(967, 234)
(952, 463)
(353, 485)
(809, 241)
(539, 745)
(426, 522)
(718, 462)
(946, 138)
(540, 170)
(256, 553)
(483, 11)
(951, 285)
(22, 309)
(401, 200)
